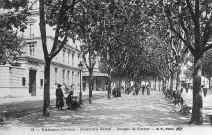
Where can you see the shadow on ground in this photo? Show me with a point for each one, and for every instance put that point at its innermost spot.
(128, 110)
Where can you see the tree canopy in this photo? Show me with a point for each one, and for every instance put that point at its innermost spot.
(15, 16)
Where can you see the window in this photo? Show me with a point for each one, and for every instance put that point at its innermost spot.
(63, 76)
(72, 77)
(68, 77)
(72, 59)
(55, 75)
(32, 46)
(31, 28)
(23, 81)
(41, 82)
(63, 56)
(68, 57)
(31, 50)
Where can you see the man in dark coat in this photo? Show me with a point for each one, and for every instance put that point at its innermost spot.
(143, 89)
(59, 97)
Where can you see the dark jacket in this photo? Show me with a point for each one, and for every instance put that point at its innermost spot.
(59, 98)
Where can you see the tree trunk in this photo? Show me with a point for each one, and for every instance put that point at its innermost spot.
(159, 84)
(197, 108)
(109, 85)
(171, 83)
(155, 83)
(119, 82)
(179, 73)
(166, 83)
(129, 84)
(46, 94)
(209, 80)
(109, 72)
(125, 80)
(163, 84)
(90, 86)
(150, 85)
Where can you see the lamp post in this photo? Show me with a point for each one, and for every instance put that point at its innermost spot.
(80, 66)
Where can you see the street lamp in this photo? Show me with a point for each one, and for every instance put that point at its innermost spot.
(80, 66)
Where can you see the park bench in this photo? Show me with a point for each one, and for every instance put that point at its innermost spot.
(210, 117)
(178, 100)
(116, 92)
(3, 116)
(185, 109)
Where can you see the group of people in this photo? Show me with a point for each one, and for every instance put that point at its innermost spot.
(135, 90)
(147, 89)
(116, 92)
(70, 99)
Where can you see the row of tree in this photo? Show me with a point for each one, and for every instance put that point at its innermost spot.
(134, 39)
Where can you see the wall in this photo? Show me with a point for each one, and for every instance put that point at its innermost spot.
(11, 82)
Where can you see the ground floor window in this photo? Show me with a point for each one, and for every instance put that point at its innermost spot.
(23, 81)
(41, 82)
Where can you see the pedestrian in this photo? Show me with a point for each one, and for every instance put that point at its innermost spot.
(181, 90)
(127, 90)
(143, 89)
(148, 89)
(186, 89)
(71, 103)
(136, 90)
(59, 97)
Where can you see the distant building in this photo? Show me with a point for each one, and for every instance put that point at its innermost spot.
(99, 80)
(25, 77)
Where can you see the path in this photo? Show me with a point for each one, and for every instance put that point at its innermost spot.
(125, 111)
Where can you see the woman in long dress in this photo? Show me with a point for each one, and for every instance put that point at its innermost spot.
(59, 97)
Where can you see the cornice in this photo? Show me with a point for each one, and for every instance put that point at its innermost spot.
(63, 65)
(32, 38)
(53, 63)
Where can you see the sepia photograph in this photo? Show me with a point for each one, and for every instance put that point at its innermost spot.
(75, 67)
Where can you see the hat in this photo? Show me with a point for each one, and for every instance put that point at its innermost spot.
(59, 85)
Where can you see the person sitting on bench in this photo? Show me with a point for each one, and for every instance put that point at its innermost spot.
(71, 103)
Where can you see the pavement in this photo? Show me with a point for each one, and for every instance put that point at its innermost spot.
(207, 100)
(153, 112)
(35, 98)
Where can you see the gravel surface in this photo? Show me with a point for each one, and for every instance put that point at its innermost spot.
(126, 111)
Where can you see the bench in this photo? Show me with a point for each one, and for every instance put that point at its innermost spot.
(210, 117)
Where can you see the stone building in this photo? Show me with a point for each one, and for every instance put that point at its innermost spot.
(25, 76)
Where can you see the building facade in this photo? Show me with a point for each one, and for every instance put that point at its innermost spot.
(99, 80)
(25, 77)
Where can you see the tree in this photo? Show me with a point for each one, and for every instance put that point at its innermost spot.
(88, 27)
(121, 18)
(207, 66)
(56, 14)
(131, 54)
(10, 46)
(191, 22)
(13, 18)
